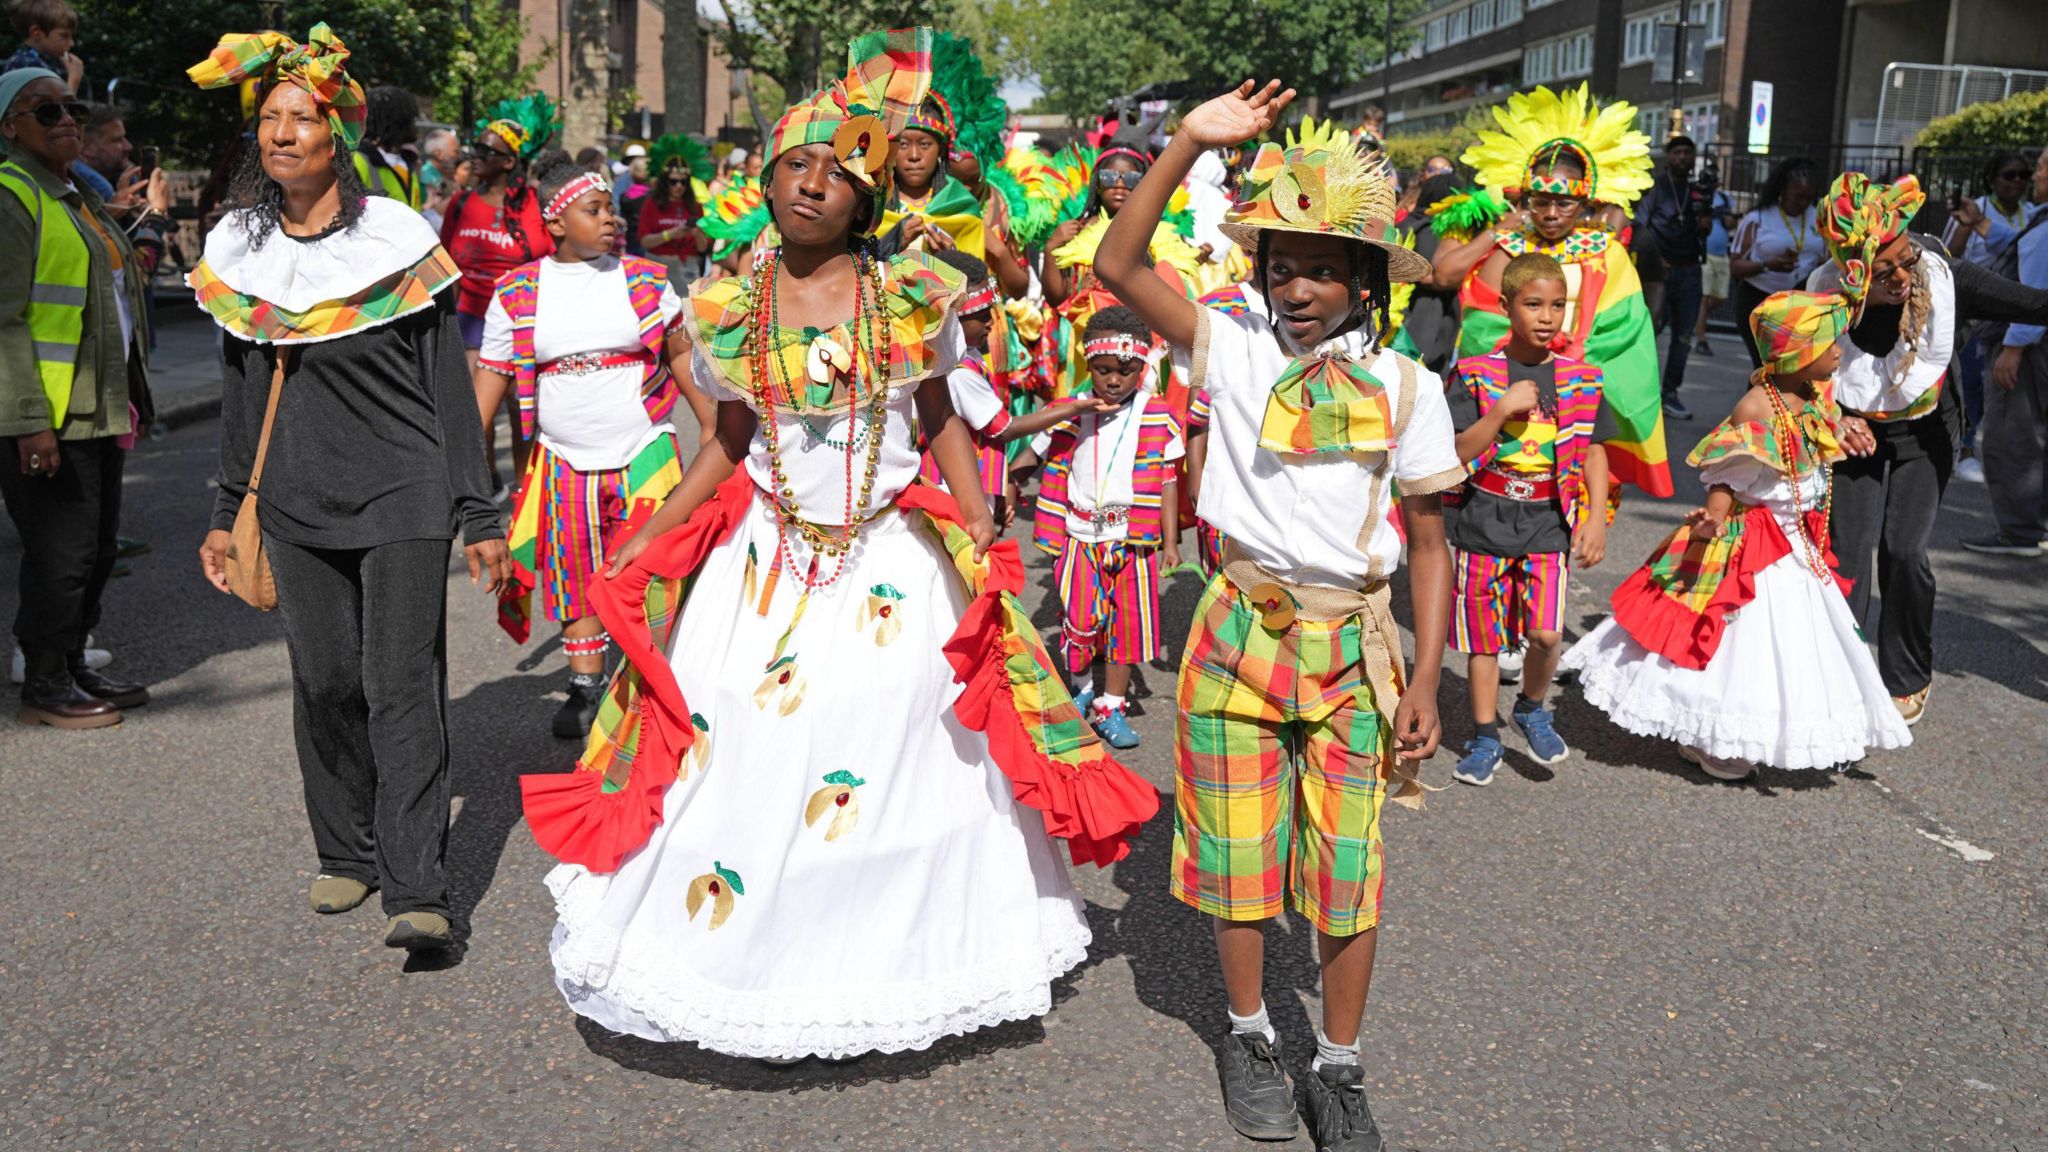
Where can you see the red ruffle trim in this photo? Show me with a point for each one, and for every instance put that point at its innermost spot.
(1688, 639)
(572, 817)
(1096, 806)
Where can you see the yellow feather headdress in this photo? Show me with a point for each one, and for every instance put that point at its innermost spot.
(1533, 124)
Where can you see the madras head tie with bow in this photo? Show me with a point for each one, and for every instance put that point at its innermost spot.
(587, 182)
(1860, 217)
(320, 66)
(1327, 404)
(887, 77)
(1794, 329)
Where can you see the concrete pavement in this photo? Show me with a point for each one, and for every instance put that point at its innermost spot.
(1611, 953)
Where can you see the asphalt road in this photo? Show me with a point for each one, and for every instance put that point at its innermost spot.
(1616, 953)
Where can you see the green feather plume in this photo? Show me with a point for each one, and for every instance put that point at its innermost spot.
(536, 113)
(979, 114)
(1466, 214)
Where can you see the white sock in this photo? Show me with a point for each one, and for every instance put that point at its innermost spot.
(1108, 703)
(1330, 1052)
(1084, 683)
(1258, 1023)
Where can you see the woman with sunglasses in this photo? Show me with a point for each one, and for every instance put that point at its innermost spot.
(494, 226)
(70, 369)
(667, 223)
(1901, 425)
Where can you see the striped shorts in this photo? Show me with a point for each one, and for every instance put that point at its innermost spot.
(1110, 597)
(1498, 600)
(1280, 757)
(583, 513)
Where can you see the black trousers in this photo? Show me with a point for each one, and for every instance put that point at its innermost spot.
(367, 632)
(67, 524)
(1747, 297)
(1886, 504)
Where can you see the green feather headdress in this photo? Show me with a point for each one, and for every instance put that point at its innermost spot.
(981, 120)
(1467, 213)
(527, 125)
(677, 146)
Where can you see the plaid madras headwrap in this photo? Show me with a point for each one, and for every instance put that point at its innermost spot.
(887, 76)
(1859, 217)
(1793, 329)
(320, 66)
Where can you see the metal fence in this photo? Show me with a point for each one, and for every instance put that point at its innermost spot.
(1915, 95)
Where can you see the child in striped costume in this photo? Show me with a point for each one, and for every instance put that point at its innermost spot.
(979, 401)
(590, 344)
(1534, 425)
(1109, 510)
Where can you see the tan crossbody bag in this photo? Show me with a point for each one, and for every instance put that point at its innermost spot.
(248, 566)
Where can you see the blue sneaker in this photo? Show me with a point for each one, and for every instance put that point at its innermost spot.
(1545, 745)
(1482, 756)
(1083, 700)
(1115, 728)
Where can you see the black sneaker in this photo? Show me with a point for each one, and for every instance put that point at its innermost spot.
(1676, 409)
(579, 711)
(1256, 1098)
(1999, 544)
(1339, 1119)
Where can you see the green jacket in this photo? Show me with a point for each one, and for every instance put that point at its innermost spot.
(100, 390)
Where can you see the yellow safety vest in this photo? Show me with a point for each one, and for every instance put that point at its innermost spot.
(56, 300)
(383, 180)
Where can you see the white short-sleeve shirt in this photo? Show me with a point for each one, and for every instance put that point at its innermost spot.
(596, 420)
(1300, 516)
(1105, 466)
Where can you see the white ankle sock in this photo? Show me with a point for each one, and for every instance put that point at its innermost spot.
(1330, 1052)
(1108, 703)
(1258, 1022)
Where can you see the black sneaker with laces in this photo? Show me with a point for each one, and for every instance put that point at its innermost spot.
(1339, 1119)
(1256, 1098)
(579, 711)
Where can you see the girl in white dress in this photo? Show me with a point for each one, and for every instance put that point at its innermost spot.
(1734, 639)
(813, 817)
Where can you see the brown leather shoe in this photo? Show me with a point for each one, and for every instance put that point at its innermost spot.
(63, 704)
(116, 692)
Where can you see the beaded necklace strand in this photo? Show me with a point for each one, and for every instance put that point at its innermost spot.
(762, 355)
(1815, 547)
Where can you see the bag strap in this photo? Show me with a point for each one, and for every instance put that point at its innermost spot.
(1404, 407)
(269, 418)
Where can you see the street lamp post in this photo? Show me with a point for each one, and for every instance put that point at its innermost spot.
(1678, 73)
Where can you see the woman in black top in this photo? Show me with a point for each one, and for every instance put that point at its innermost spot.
(376, 461)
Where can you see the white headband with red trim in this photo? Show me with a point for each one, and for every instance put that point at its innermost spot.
(587, 182)
(1123, 346)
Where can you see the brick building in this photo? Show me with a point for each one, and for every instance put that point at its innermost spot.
(622, 43)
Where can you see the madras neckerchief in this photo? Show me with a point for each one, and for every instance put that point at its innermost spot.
(1328, 402)
(319, 66)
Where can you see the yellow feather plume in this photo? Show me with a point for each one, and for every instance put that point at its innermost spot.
(1618, 155)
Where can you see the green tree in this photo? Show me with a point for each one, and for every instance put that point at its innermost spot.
(1316, 46)
(800, 43)
(148, 44)
(485, 55)
(1083, 52)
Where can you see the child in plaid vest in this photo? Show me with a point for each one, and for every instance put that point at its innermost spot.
(1533, 424)
(591, 345)
(1294, 722)
(1108, 509)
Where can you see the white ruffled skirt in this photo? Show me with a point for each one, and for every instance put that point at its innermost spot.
(840, 868)
(1792, 684)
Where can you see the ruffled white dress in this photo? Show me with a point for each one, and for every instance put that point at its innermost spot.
(863, 880)
(1791, 685)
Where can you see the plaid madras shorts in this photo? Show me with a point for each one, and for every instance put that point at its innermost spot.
(584, 513)
(1497, 600)
(1280, 761)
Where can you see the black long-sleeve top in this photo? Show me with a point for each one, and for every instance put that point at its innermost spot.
(376, 439)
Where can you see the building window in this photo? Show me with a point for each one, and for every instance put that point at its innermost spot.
(1559, 59)
(1711, 15)
(1639, 40)
(1433, 38)
(1482, 17)
(1537, 3)
(1460, 27)
(1703, 121)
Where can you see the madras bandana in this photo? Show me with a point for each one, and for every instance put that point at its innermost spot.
(980, 299)
(935, 116)
(589, 181)
(1123, 346)
(1327, 404)
(1793, 329)
(319, 66)
(1860, 217)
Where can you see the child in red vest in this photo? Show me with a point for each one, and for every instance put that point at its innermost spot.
(1109, 510)
(591, 345)
(1533, 424)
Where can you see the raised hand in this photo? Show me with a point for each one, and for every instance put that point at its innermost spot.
(1237, 116)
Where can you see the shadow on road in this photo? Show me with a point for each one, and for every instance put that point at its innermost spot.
(500, 732)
